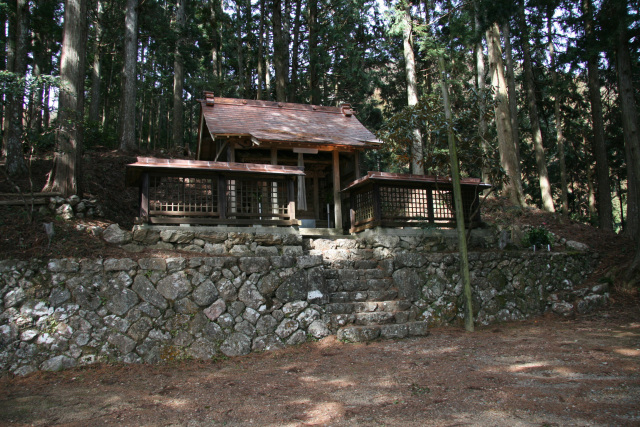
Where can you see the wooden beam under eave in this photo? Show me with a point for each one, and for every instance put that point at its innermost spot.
(337, 202)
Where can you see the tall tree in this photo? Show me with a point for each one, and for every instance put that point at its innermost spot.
(618, 11)
(96, 72)
(538, 145)
(458, 206)
(508, 158)
(605, 211)
(15, 99)
(178, 78)
(481, 76)
(293, 93)
(261, 61)
(280, 52)
(128, 99)
(65, 174)
(417, 166)
(564, 189)
(314, 53)
(215, 16)
(510, 75)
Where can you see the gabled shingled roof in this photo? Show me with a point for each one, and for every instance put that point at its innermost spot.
(266, 121)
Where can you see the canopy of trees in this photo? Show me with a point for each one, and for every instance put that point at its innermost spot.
(543, 91)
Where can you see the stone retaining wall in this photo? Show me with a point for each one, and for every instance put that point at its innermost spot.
(61, 313)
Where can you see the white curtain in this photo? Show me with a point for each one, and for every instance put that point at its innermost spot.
(302, 188)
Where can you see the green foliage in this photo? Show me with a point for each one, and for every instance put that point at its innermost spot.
(17, 85)
(537, 236)
(96, 135)
(428, 116)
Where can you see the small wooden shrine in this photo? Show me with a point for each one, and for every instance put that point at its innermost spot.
(285, 164)
(316, 147)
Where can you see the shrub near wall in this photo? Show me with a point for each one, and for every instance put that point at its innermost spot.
(68, 312)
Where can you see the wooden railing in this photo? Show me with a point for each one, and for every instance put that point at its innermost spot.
(197, 192)
(396, 200)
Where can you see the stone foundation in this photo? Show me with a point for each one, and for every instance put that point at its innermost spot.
(61, 313)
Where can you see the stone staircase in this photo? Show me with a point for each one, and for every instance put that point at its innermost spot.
(366, 316)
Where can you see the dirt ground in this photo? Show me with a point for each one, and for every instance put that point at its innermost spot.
(545, 371)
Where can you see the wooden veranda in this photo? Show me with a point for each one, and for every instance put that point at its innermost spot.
(201, 192)
(402, 200)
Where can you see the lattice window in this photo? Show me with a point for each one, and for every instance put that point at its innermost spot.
(257, 198)
(363, 206)
(404, 203)
(443, 205)
(174, 194)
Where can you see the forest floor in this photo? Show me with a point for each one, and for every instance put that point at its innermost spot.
(544, 371)
(541, 372)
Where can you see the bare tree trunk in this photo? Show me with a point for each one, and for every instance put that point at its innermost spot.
(106, 112)
(15, 158)
(46, 116)
(267, 76)
(279, 52)
(178, 80)
(3, 66)
(564, 194)
(605, 210)
(96, 75)
(314, 77)
(480, 84)
(629, 120)
(513, 95)
(538, 145)
(215, 9)
(239, 53)
(417, 166)
(293, 93)
(459, 209)
(508, 158)
(261, 50)
(66, 173)
(128, 100)
(10, 66)
(591, 193)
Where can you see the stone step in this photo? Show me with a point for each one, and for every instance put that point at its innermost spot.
(367, 306)
(371, 318)
(361, 296)
(372, 332)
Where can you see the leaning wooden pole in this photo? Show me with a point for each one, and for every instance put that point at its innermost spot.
(457, 198)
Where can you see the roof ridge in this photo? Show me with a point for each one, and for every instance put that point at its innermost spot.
(278, 105)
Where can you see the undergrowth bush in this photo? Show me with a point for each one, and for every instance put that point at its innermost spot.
(537, 236)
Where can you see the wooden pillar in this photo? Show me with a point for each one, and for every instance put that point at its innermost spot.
(316, 197)
(222, 197)
(337, 202)
(274, 185)
(144, 198)
(430, 212)
(356, 156)
(377, 205)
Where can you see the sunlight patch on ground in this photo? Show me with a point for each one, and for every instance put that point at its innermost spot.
(176, 403)
(336, 383)
(521, 367)
(628, 351)
(626, 334)
(324, 413)
(563, 371)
